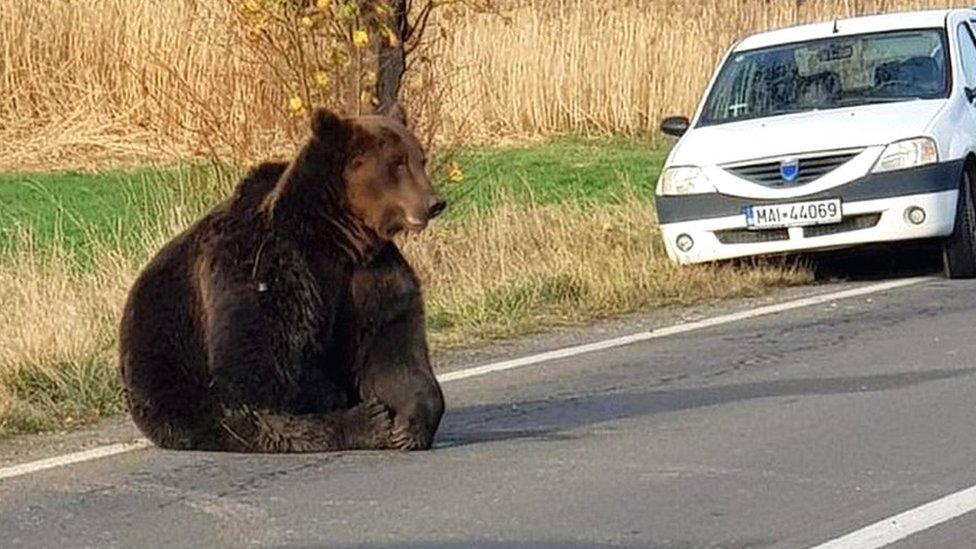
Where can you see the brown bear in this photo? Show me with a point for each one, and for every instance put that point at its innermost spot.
(286, 320)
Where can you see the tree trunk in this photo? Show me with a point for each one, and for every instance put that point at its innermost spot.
(392, 59)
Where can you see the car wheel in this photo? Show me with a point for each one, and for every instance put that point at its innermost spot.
(959, 250)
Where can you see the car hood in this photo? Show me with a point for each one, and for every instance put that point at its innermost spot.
(845, 128)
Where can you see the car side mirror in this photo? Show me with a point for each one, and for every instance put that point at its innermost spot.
(675, 126)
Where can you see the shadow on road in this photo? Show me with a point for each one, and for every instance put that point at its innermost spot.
(549, 419)
(878, 262)
(865, 263)
(465, 544)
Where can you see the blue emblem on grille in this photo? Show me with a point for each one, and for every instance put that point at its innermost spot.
(789, 169)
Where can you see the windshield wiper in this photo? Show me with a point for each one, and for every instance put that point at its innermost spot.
(792, 110)
(854, 101)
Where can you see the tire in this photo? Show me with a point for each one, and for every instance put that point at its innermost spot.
(959, 250)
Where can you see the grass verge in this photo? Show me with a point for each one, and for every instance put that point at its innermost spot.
(555, 234)
(526, 267)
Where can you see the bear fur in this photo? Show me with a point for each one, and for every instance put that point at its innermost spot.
(286, 320)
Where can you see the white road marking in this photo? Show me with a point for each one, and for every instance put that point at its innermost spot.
(678, 329)
(913, 521)
(139, 444)
(77, 457)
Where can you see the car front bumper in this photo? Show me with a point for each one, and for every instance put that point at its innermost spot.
(874, 210)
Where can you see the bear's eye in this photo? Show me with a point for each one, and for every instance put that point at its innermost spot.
(357, 162)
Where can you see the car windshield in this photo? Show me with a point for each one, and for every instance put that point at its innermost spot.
(829, 73)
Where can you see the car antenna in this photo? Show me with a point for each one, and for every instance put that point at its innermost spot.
(836, 30)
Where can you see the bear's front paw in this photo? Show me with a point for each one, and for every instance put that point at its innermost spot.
(407, 440)
(380, 423)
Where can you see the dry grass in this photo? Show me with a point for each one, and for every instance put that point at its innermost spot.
(510, 272)
(58, 345)
(63, 301)
(524, 268)
(85, 81)
(582, 66)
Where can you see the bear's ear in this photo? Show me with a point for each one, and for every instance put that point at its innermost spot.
(398, 113)
(328, 126)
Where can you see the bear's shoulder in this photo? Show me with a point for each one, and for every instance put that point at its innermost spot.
(234, 237)
(258, 183)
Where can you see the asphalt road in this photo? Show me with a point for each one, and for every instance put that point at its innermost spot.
(785, 431)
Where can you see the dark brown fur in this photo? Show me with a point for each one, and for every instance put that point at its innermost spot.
(285, 320)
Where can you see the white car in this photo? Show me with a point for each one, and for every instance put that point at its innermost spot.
(828, 136)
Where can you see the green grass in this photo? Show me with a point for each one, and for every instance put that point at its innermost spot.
(569, 170)
(84, 210)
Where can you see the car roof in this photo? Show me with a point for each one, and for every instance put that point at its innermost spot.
(855, 25)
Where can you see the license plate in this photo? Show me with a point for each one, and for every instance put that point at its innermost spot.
(796, 214)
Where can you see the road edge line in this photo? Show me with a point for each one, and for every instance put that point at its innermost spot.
(676, 329)
(908, 523)
(98, 452)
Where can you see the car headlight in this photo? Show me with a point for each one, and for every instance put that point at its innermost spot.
(907, 154)
(684, 180)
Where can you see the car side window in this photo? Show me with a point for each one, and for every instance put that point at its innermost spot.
(967, 53)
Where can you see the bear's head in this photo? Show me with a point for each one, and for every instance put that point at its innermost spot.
(384, 174)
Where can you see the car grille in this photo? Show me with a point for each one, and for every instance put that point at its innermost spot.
(811, 168)
(744, 236)
(852, 223)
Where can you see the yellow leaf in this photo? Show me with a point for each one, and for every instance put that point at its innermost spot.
(365, 97)
(321, 79)
(323, 4)
(456, 175)
(360, 38)
(295, 104)
(307, 22)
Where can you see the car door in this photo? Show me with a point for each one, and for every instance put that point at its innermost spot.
(956, 134)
